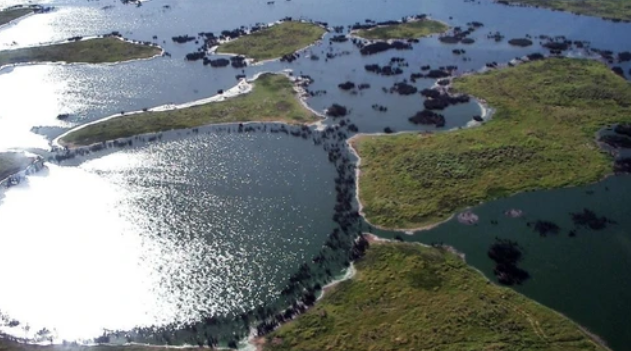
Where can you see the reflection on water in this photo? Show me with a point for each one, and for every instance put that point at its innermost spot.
(161, 234)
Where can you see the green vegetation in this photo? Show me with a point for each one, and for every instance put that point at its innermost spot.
(8, 15)
(276, 41)
(12, 162)
(89, 51)
(542, 136)
(610, 9)
(272, 99)
(408, 297)
(408, 30)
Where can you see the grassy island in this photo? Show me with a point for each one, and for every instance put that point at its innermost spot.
(609, 9)
(275, 41)
(8, 15)
(408, 297)
(98, 50)
(542, 136)
(272, 99)
(12, 162)
(407, 30)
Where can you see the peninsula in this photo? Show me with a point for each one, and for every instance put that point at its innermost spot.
(99, 50)
(409, 297)
(272, 99)
(275, 41)
(541, 137)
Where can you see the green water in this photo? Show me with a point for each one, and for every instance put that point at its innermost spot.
(587, 277)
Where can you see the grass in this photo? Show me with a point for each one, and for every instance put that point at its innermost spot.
(541, 137)
(272, 99)
(276, 41)
(98, 50)
(8, 15)
(610, 9)
(408, 297)
(12, 162)
(408, 30)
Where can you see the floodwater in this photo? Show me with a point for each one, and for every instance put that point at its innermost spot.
(164, 233)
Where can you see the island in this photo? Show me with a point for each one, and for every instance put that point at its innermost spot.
(275, 41)
(13, 13)
(404, 30)
(541, 137)
(98, 50)
(272, 99)
(409, 297)
(615, 10)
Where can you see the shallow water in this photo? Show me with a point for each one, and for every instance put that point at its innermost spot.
(215, 224)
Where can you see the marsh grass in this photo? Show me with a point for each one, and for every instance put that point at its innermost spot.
(275, 41)
(408, 297)
(99, 50)
(272, 99)
(541, 137)
(408, 30)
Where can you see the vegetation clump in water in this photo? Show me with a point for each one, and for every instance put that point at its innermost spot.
(506, 254)
(589, 219)
(409, 297)
(100, 50)
(541, 137)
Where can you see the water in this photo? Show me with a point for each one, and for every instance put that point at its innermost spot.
(215, 224)
(165, 233)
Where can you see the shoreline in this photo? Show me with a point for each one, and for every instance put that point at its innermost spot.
(65, 63)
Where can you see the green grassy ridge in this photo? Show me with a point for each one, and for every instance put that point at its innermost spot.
(409, 297)
(12, 162)
(275, 41)
(541, 137)
(99, 50)
(272, 99)
(609, 9)
(8, 15)
(407, 30)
